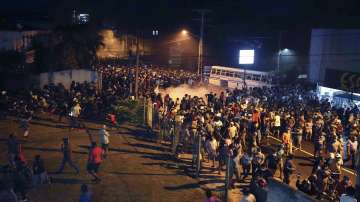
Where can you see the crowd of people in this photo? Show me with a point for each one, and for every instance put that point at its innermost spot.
(234, 128)
(81, 101)
(237, 124)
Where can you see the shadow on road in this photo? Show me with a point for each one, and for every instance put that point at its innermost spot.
(42, 149)
(182, 187)
(56, 180)
(146, 174)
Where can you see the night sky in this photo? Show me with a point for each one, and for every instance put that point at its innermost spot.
(230, 25)
(236, 15)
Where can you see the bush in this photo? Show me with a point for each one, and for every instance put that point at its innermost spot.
(129, 110)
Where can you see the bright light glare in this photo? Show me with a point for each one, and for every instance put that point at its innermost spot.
(246, 56)
(184, 32)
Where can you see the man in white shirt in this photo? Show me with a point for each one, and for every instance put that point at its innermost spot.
(277, 124)
(104, 139)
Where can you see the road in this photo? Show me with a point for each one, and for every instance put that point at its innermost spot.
(135, 170)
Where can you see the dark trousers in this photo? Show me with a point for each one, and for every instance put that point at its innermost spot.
(70, 162)
(246, 170)
(286, 177)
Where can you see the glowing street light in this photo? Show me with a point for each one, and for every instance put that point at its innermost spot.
(200, 50)
(184, 32)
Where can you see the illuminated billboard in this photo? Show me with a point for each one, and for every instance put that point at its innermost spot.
(246, 56)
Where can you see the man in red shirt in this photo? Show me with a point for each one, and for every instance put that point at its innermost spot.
(95, 158)
(112, 118)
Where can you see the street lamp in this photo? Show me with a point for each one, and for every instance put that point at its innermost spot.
(200, 51)
(184, 32)
(285, 50)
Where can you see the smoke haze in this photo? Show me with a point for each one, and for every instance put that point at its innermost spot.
(180, 91)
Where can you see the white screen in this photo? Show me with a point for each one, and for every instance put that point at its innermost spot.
(246, 56)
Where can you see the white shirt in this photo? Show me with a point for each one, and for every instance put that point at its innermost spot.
(104, 136)
(277, 121)
(218, 123)
(346, 198)
(248, 198)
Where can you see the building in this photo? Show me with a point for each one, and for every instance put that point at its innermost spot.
(18, 40)
(21, 40)
(335, 58)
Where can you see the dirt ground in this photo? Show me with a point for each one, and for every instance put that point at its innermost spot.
(135, 170)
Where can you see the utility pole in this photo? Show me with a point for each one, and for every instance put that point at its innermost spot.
(279, 52)
(137, 68)
(201, 42)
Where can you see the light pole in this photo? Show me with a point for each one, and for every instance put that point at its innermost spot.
(137, 68)
(279, 52)
(200, 50)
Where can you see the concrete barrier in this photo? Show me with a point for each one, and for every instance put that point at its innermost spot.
(67, 76)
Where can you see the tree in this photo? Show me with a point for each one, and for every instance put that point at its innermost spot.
(70, 47)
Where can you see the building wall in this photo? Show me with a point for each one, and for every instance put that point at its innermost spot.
(18, 40)
(333, 49)
(67, 76)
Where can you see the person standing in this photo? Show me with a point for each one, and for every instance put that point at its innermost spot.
(289, 169)
(352, 146)
(74, 116)
(277, 124)
(39, 172)
(259, 159)
(287, 141)
(94, 161)
(104, 140)
(85, 195)
(63, 109)
(25, 124)
(67, 156)
(13, 149)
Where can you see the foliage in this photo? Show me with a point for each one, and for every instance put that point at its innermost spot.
(129, 110)
(70, 47)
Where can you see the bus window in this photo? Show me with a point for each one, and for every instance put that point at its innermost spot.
(239, 75)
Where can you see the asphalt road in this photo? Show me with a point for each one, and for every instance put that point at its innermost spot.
(135, 170)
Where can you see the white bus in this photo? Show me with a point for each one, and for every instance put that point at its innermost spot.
(234, 77)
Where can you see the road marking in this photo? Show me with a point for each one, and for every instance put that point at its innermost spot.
(310, 154)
